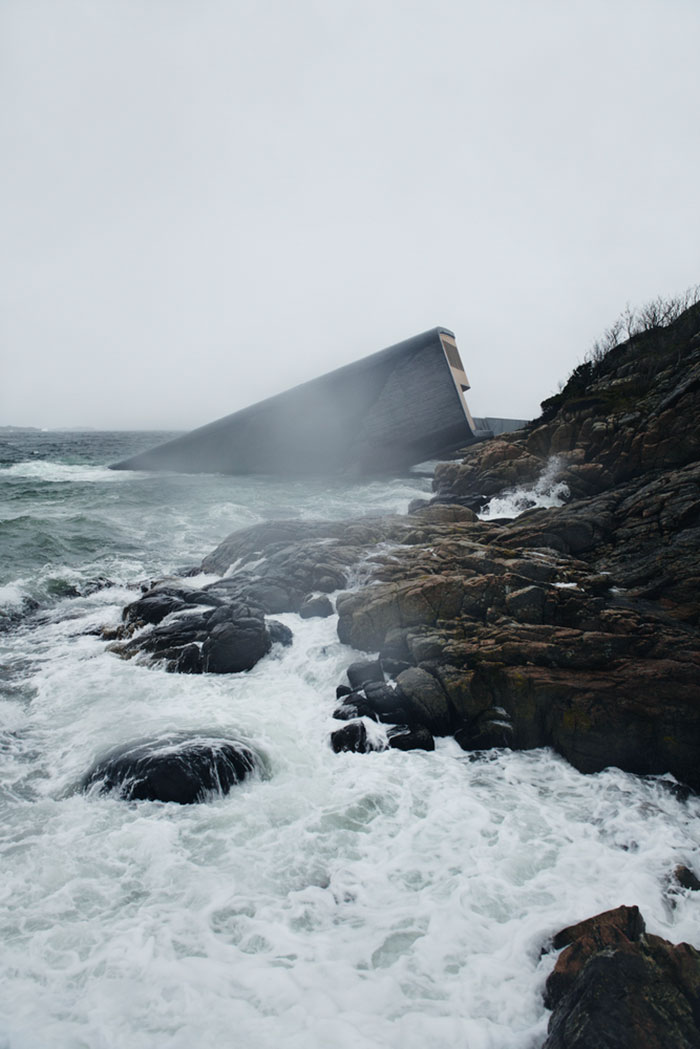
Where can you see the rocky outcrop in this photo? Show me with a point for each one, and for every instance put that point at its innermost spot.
(617, 418)
(180, 769)
(215, 630)
(574, 627)
(280, 562)
(616, 985)
(544, 639)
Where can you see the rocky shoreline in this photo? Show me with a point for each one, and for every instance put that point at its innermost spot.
(573, 627)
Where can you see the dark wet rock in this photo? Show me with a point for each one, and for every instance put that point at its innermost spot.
(235, 645)
(425, 701)
(526, 605)
(180, 630)
(471, 502)
(686, 878)
(440, 513)
(188, 661)
(360, 673)
(93, 586)
(228, 586)
(614, 985)
(385, 703)
(279, 633)
(393, 667)
(375, 700)
(172, 770)
(62, 588)
(153, 607)
(230, 612)
(164, 638)
(273, 598)
(348, 712)
(395, 647)
(404, 738)
(352, 737)
(202, 598)
(297, 557)
(187, 571)
(355, 706)
(417, 504)
(342, 690)
(490, 728)
(314, 605)
(425, 646)
(198, 632)
(680, 791)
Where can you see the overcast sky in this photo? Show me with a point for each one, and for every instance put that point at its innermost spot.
(207, 201)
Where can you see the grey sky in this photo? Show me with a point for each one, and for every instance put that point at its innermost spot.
(205, 202)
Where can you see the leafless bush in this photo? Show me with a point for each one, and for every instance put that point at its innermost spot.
(658, 313)
(631, 323)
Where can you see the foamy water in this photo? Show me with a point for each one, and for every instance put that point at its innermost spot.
(360, 901)
(546, 492)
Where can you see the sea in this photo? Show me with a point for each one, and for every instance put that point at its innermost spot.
(338, 901)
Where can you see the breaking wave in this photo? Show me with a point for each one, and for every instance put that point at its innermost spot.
(546, 492)
(61, 473)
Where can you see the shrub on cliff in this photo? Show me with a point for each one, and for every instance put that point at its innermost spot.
(633, 326)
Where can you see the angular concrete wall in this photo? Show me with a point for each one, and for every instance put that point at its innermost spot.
(387, 411)
(492, 426)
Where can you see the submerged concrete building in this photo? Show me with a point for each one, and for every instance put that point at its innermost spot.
(397, 407)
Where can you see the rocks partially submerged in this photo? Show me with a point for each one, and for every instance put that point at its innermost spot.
(402, 705)
(215, 630)
(542, 638)
(177, 769)
(614, 984)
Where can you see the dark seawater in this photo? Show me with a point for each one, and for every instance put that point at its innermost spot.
(393, 900)
(67, 519)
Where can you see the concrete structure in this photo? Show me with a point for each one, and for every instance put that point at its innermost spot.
(384, 412)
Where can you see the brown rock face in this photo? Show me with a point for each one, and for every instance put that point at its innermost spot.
(604, 678)
(615, 986)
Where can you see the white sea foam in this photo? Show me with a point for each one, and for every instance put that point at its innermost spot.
(13, 595)
(547, 491)
(46, 470)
